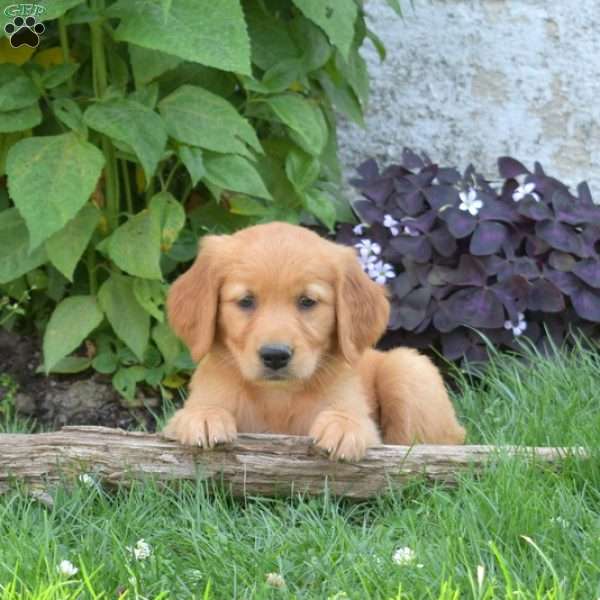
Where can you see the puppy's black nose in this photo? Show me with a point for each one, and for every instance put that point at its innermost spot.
(275, 356)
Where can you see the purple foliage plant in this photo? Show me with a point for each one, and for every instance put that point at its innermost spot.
(512, 259)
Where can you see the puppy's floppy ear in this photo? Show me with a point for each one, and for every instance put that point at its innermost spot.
(362, 308)
(193, 299)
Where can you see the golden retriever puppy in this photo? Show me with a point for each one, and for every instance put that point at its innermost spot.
(283, 322)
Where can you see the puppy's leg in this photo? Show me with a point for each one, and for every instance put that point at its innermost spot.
(343, 427)
(208, 416)
(413, 402)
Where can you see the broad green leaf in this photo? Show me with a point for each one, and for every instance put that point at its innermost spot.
(7, 141)
(269, 37)
(58, 74)
(167, 342)
(301, 169)
(133, 124)
(304, 119)
(320, 205)
(49, 179)
(191, 157)
(171, 217)
(242, 205)
(335, 17)
(17, 90)
(126, 379)
(198, 117)
(135, 245)
(314, 43)
(127, 317)
(235, 173)
(20, 119)
(66, 246)
(67, 111)
(204, 31)
(342, 97)
(148, 64)
(71, 364)
(146, 95)
(71, 322)
(151, 295)
(106, 362)
(354, 71)
(15, 258)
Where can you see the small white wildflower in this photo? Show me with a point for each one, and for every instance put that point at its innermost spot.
(87, 479)
(358, 229)
(141, 551)
(480, 576)
(519, 328)
(525, 189)
(195, 575)
(67, 569)
(275, 580)
(390, 223)
(380, 272)
(470, 202)
(367, 247)
(404, 556)
(338, 596)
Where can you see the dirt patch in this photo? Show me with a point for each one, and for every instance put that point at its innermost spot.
(57, 400)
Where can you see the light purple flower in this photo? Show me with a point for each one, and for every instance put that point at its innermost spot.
(391, 223)
(470, 202)
(519, 328)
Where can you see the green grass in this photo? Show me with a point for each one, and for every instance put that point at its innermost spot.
(535, 531)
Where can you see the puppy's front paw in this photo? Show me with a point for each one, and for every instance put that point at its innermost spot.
(204, 427)
(344, 437)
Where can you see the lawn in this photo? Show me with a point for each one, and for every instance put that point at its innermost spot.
(518, 531)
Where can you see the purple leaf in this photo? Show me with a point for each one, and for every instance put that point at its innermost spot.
(417, 248)
(449, 176)
(403, 283)
(561, 261)
(441, 195)
(442, 241)
(476, 307)
(568, 210)
(545, 296)
(510, 168)
(470, 272)
(368, 212)
(487, 238)
(460, 223)
(560, 237)
(455, 343)
(513, 292)
(443, 320)
(413, 308)
(589, 271)
(567, 283)
(368, 170)
(411, 161)
(584, 194)
(587, 303)
(497, 210)
(537, 211)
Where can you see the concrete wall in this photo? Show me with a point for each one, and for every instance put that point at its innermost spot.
(470, 80)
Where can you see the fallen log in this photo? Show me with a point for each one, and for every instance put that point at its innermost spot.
(254, 464)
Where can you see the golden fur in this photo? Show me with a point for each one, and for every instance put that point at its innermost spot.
(336, 388)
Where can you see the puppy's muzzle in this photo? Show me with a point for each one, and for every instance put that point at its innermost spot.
(275, 356)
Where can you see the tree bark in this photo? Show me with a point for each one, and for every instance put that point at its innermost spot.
(254, 464)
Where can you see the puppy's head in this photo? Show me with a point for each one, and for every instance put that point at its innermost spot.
(280, 300)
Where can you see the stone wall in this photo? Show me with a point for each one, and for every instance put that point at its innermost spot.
(470, 80)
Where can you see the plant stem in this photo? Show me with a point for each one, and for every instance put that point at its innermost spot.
(127, 182)
(91, 267)
(169, 179)
(64, 44)
(100, 85)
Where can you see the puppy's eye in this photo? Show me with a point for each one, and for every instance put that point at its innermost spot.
(247, 302)
(305, 302)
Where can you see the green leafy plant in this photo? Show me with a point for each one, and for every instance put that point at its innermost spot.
(137, 126)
